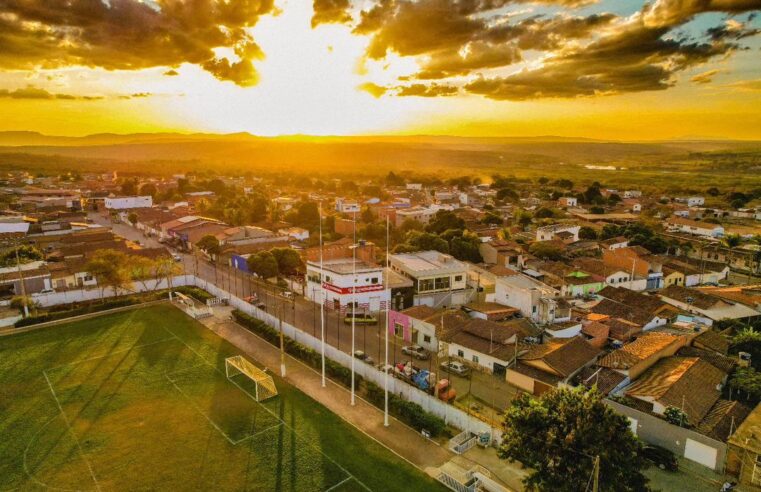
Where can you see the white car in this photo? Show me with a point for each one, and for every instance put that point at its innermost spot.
(456, 367)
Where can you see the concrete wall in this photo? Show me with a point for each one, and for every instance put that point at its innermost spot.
(654, 430)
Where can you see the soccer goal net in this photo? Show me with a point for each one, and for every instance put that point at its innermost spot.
(265, 386)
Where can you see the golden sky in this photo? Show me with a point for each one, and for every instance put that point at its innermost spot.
(617, 69)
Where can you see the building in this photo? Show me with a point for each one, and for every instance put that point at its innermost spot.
(534, 299)
(636, 357)
(297, 233)
(347, 206)
(419, 214)
(694, 227)
(347, 283)
(696, 301)
(439, 279)
(486, 345)
(744, 453)
(639, 262)
(565, 232)
(568, 201)
(128, 202)
(504, 253)
(551, 364)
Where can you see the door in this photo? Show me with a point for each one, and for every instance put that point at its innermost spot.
(700, 453)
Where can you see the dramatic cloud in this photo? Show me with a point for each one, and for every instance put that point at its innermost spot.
(423, 90)
(473, 43)
(331, 12)
(705, 77)
(374, 90)
(746, 85)
(36, 93)
(131, 34)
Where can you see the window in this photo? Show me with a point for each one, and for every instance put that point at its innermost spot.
(533, 309)
(427, 338)
(475, 359)
(460, 353)
(425, 284)
(374, 280)
(398, 330)
(442, 283)
(327, 278)
(458, 278)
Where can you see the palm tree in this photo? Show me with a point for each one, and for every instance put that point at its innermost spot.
(731, 241)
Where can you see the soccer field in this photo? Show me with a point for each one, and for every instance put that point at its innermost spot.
(139, 400)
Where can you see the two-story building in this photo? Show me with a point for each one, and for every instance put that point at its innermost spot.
(439, 279)
(347, 282)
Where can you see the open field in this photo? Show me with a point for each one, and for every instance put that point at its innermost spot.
(139, 400)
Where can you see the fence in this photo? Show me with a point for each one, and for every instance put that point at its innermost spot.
(451, 415)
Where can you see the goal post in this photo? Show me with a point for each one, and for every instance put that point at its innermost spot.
(263, 382)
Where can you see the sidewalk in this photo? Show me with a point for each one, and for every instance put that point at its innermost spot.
(399, 438)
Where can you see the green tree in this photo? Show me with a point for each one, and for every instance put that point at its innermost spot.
(544, 213)
(132, 218)
(129, 187)
(746, 339)
(586, 232)
(465, 247)
(492, 218)
(288, 260)
(444, 220)
(731, 241)
(367, 216)
(558, 436)
(425, 241)
(21, 254)
(111, 269)
(546, 250)
(149, 189)
(748, 381)
(675, 416)
(210, 245)
(264, 264)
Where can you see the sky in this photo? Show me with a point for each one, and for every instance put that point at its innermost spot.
(609, 69)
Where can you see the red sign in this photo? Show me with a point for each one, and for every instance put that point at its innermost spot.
(348, 290)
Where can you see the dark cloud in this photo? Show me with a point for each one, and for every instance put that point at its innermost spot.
(427, 90)
(131, 35)
(171, 73)
(331, 12)
(31, 92)
(633, 59)
(587, 55)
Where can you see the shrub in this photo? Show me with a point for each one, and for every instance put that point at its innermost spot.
(311, 357)
(408, 412)
(196, 293)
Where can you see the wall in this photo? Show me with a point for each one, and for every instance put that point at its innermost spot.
(654, 430)
(66, 297)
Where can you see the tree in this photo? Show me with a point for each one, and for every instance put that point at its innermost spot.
(21, 254)
(748, 381)
(675, 416)
(132, 218)
(288, 260)
(149, 189)
(444, 220)
(597, 210)
(110, 268)
(492, 219)
(209, 244)
(747, 340)
(129, 187)
(425, 241)
(142, 269)
(731, 241)
(586, 232)
(558, 436)
(264, 264)
(713, 191)
(465, 247)
(546, 250)
(367, 216)
(543, 180)
(544, 213)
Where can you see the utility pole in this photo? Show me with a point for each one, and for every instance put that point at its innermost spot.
(282, 342)
(353, 301)
(596, 481)
(322, 306)
(385, 363)
(21, 280)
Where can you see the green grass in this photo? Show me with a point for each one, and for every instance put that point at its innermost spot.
(138, 400)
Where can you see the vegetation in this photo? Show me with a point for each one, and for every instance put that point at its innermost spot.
(559, 435)
(747, 381)
(21, 254)
(675, 416)
(160, 358)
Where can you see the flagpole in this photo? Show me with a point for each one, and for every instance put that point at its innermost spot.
(353, 301)
(385, 365)
(322, 306)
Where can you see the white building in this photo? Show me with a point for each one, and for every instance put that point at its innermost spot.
(695, 201)
(420, 214)
(414, 186)
(439, 279)
(548, 233)
(705, 229)
(347, 206)
(535, 299)
(632, 194)
(127, 202)
(297, 233)
(346, 283)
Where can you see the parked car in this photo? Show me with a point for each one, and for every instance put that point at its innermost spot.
(287, 294)
(47, 291)
(416, 351)
(455, 367)
(661, 457)
(176, 257)
(386, 368)
(364, 357)
(252, 299)
(360, 318)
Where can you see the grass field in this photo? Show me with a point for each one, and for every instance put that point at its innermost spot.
(139, 400)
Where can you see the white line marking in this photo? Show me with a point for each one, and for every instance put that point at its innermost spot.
(71, 431)
(110, 354)
(340, 483)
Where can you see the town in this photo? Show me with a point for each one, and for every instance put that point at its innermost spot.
(463, 296)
